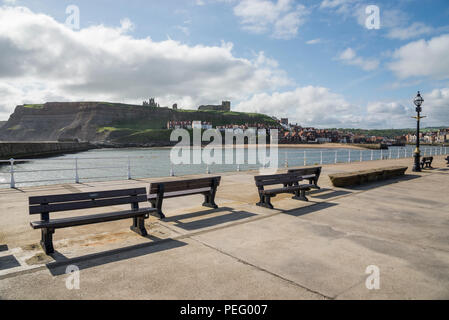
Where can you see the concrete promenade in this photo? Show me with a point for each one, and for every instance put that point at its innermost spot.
(300, 250)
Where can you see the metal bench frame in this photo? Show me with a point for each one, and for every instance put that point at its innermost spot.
(290, 182)
(426, 162)
(311, 173)
(44, 205)
(170, 189)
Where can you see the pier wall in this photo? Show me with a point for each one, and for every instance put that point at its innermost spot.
(19, 150)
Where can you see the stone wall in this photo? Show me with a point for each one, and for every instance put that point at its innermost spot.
(346, 179)
(18, 150)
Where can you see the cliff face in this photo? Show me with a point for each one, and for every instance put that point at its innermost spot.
(101, 122)
(67, 120)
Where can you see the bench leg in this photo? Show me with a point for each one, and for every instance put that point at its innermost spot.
(47, 240)
(139, 226)
(300, 195)
(265, 201)
(158, 205)
(315, 183)
(209, 200)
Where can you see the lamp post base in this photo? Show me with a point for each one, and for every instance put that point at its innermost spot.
(416, 164)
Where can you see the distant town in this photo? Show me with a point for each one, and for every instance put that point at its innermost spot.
(291, 133)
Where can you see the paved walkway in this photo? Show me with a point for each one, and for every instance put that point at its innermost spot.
(300, 250)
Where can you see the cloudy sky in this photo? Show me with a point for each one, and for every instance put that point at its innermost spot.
(315, 62)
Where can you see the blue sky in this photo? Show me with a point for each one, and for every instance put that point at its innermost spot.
(313, 61)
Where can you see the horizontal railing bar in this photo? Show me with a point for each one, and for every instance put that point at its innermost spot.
(73, 159)
(280, 149)
(121, 176)
(101, 168)
(45, 180)
(46, 170)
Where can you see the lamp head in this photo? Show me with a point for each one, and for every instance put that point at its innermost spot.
(418, 102)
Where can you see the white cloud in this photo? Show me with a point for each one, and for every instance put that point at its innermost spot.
(398, 114)
(184, 30)
(43, 60)
(415, 30)
(349, 56)
(282, 18)
(387, 107)
(320, 107)
(309, 106)
(314, 41)
(336, 3)
(423, 59)
(436, 107)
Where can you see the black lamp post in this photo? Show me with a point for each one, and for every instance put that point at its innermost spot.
(418, 102)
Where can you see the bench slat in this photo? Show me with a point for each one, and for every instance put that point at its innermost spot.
(304, 171)
(65, 206)
(287, 189)
(85, 196)
(90, 219)
(178, 185)
(180, 193)
(285, 178)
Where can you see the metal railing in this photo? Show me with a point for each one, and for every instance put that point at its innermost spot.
(125, 165)
(75, 169)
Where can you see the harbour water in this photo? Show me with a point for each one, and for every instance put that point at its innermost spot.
(117, 164)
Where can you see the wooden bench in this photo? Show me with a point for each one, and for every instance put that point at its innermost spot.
(178, 188)
(312, 174)
(290, 182)
(426, 162)
(44, 205)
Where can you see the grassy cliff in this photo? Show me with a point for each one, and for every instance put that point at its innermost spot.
(154, 129)
(106, 122)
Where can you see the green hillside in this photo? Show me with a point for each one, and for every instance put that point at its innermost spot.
(389, 133)
(154, 127)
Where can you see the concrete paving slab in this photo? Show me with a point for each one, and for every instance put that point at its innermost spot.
(175, 269)
(313, 250)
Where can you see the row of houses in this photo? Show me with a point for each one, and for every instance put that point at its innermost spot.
(437, 136)
(207, 125)
(189, 125)
(297, 134)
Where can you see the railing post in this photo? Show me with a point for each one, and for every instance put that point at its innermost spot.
(129, 168)
(321, 157)
(207, 169)
(389, 153)
(238, 167)
(372, 153)
(77, 179)
(398, 153)
(349, 156)
(12, 181)
(305, 159)
(336, 156)
(360, 155)
(286, 160)
(172, 171)
(381, 154)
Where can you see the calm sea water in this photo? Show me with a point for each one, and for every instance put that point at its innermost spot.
(112, 164)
